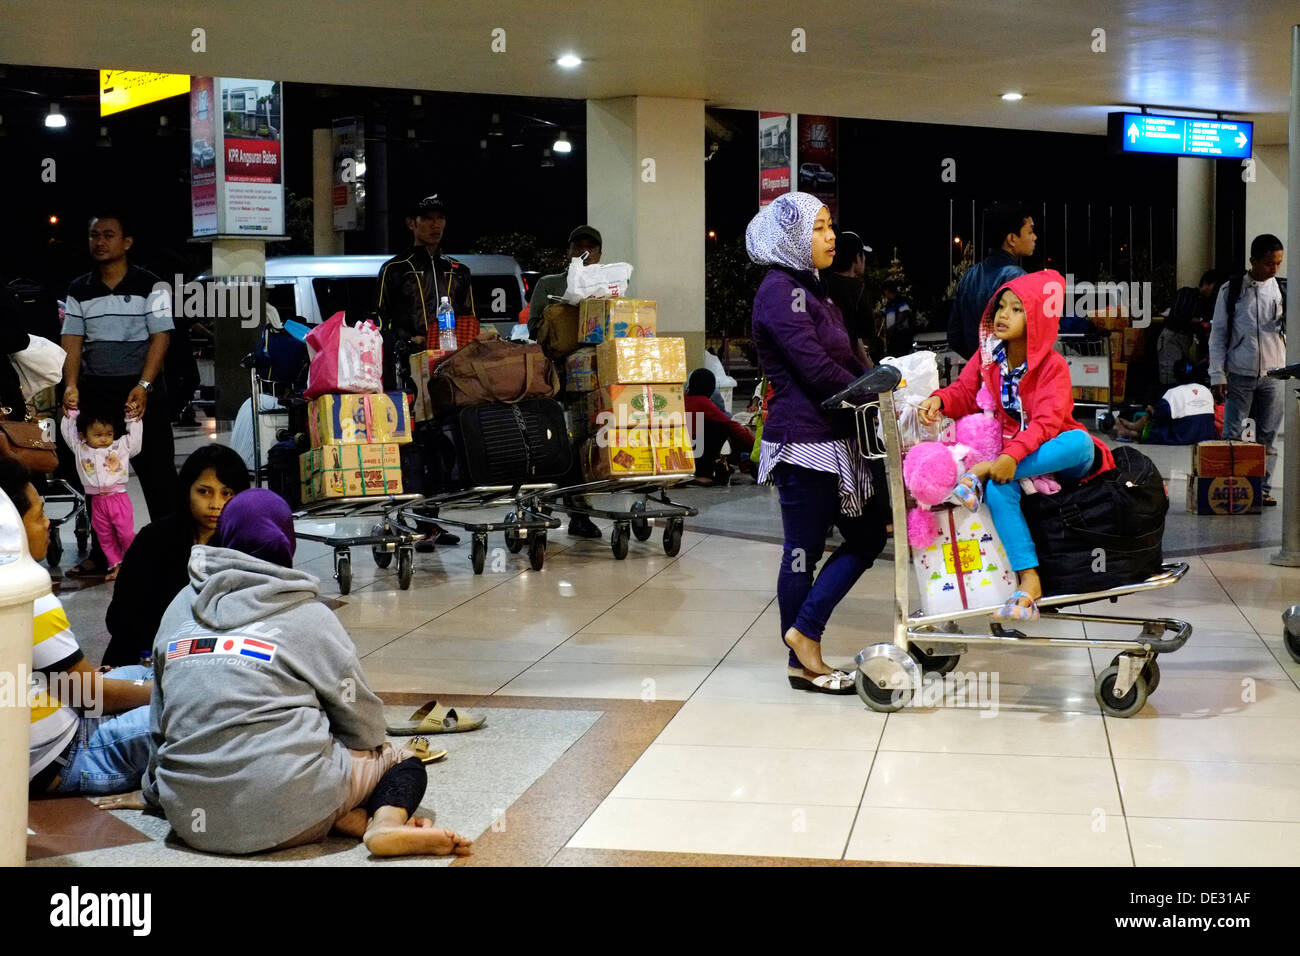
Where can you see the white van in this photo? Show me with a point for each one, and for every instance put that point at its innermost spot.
(315, 287)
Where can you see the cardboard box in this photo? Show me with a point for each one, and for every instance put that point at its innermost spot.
(1117, 345)
(580, 372)
(1118, 381)
(1220, 459)
(629, 406)
(673, 453)
(1224, 496)
(366, 418)
(668, 403)
(601, 319)
(986, 578)
(1134, 344)
(648, 361)
(422, 365)
(335, 457)
(618, 453)
(353, 483)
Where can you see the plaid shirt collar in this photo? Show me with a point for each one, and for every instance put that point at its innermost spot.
(1011, 382)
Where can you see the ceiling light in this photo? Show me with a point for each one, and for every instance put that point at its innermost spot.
(569, 61)
(54, 220)
(495, 129)
(547, 160)
(54, 119)
(562, 144)
(417, 100)
(103, 142)
(162, 127)
(1013, 96)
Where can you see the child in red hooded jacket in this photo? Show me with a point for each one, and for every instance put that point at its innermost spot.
(1018, 365)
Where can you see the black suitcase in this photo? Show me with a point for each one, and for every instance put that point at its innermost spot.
(498, 444)
(282, 474)
(1104, 533)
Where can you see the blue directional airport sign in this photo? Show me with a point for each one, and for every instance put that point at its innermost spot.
(1181, 135)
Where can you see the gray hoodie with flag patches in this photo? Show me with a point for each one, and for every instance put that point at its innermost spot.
(258, 695)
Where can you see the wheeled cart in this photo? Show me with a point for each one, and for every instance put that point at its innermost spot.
(59, 492)
(388, 535)
(522, 525)
(889, 674)
(636, 521)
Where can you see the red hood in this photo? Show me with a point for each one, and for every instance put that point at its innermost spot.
(1043, 294)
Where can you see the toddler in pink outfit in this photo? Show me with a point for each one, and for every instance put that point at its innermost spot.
(102, 462)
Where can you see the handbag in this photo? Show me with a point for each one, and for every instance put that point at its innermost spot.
(491, 445)
(557, 333)
(344, 358)
(492, 370)
(25, 442)
(39, 366)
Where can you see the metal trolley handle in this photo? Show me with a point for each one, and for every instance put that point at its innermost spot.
(864, 397)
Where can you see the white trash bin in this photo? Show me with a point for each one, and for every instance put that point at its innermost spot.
(22, 581)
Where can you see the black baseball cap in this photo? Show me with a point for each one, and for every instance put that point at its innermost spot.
(585, 232)
(428, 204)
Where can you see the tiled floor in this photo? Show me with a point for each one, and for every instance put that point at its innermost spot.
(736, 762)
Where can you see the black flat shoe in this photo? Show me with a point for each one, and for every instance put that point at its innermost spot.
(580, 526)
(836, 682)
(1270, 501)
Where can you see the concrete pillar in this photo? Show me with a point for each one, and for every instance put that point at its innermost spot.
(325, 241)
(1289, 554)
(242, 260)
(1195, 239)
(1268, 195)
(645, 193)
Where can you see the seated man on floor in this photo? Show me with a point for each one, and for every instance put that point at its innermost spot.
(90, 734)
(267, 733)
(1185, 416)
(718, 429)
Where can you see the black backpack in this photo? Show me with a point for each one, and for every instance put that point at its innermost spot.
(1103, 533)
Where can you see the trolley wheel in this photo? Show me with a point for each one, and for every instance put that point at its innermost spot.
(883, 700)
(82, 531)
(343, 571)
(513, 541)
(1292, 642)
(673, 537)
(54, 551)
(478, 552)
(935, 663)
(618, 539)
(383, 558)
(537, 550)
(1125, 706)
(641, 529)
(405, 565)
(1151, 672)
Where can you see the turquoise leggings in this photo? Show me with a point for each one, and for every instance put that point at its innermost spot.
(1069, 456)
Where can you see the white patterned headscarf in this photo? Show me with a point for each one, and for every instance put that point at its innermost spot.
(781, 233)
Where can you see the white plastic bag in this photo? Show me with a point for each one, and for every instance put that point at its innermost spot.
(920, 381)
(39, 366)
(604, 280)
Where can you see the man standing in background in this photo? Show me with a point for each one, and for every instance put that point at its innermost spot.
(1013, 230)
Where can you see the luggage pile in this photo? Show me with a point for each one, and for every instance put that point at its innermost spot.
(356, 430)
(626, 401)
(1226, 478)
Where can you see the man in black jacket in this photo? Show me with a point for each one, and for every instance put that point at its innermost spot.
(413, 282)
(411, 285)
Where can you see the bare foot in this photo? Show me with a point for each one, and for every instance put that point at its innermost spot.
(390, 833)
(1032, 585)
(122, 801)
(809, 653)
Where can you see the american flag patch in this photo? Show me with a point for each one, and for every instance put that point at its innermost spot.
(177, 649)
(190, 645)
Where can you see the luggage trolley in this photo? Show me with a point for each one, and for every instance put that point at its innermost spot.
(889, 673)
(523, 524)
(636, 521)
(386, 537)
(60, 492)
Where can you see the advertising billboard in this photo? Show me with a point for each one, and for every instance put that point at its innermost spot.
(236, 157)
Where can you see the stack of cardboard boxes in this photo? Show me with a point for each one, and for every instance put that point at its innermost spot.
(1127, 345)
(355, 443)
(627, 393)
(1226, 478)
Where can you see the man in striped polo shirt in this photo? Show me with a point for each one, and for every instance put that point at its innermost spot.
(117, 324)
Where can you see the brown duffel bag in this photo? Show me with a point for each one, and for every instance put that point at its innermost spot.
(25, 442)
(557, 333)
(492, 371)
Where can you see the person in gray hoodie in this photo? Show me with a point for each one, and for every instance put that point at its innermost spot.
(266, 733)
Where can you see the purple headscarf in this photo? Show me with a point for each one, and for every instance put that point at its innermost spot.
(259, 523)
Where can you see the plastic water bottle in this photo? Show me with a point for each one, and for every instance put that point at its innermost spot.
(446, 326)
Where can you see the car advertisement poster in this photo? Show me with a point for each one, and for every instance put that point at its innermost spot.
(773, 156)
(819, 169)
(204, 140)
(236, 145)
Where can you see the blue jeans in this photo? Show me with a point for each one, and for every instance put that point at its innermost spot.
(810, 504)
(109, 754)
(1069, 455)
(1260, 399)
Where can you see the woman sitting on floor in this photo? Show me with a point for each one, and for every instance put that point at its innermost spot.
(267, 733)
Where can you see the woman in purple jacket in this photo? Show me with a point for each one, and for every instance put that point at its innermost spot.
(811, 456)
